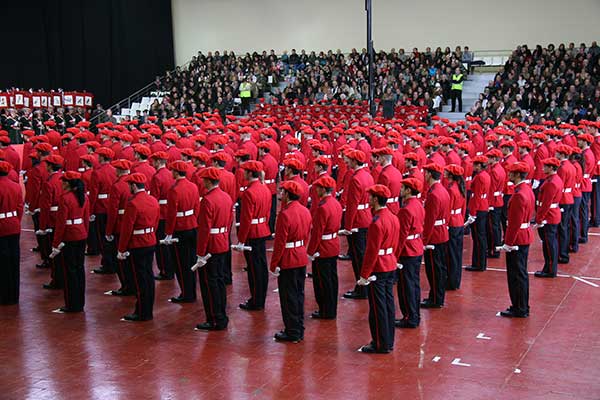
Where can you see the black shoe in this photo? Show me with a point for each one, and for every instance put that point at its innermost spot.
(318, 315)
(494, 255)
(473, 269)
(101, 271)
(245, 269)
(284, 337)
(344, 257)
(51, 286)
(36, 249)
(512, 314)
(351, 294)
(371, 349)
(134, 318)
(120, 292)
(582, 241)
(181, 300)
(403, 323)
(228, 283)
(207, 326)
(563, 260)
(542, 274)
(92, 253)
(250, 307)
(428, 304)
(161, 277)
(309, 275)
(43, 265)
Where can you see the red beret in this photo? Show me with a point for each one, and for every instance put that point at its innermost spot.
(576, 150)
(526, 144)
(432, 143)
(434, 167)
(200, 155)
(507, 143)
(411, 156)
(220, 156)
(357, 155)
(55, 159)
(293, 162)
(43, 147)
(413, 183)
(564, 149)
(126, 137)
(50, 123)
(322, 160)
(28, 132)
(87, 158)
(143, 150)
(480, 159)
(211, 173)
(447, 141)
(70, 176)
(105, 152)
(294, 141)
(586, 137)
(179, 166)
(136, 178)
(83, 124)
(292, 187)
(4, 139)
(93, 144)
(263, 145)
(242, 152)
(170, 136)
(160, 155)
(384, 151)
(326, 182)
(5, 167)
(539, 136)
(33, 154)
(494, 153)
(380, 191)
(551, 161)
(518, 167)
(455, 169)
(255, 166)
(122, 164)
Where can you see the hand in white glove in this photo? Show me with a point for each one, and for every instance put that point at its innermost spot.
(364, 282)
(201, 261)
(535, 184)
(26, 208)
(122, 256)
(241, 247)
(344, 232)
(40, 232)
(399, 266)
(429, 247)
(49, 230)
(92, 218)
(470, 220)
(109, 238)
(55, 252)
(276, 272)
(507, 248)
(314, 256)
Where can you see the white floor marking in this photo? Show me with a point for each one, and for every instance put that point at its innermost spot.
(27, 230)
(517, 371)
(456, 361)
(436, 358)
(498, 314)
(582, 278)
(593, 233)
(482, 336)
(584, 281)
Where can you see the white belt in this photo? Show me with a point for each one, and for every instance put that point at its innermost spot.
(257, 221)
(385, 252)
(293, 245)
(458, 211)
(484, 196)
(121, 211)
(524, 225)
(243, 188)
(567, 190)
(538, 203)
(509, 184)
(469, 178)
(185, 213)
(554, 205)
(598, 162)
(329, 236)
(216, 231)
(163, 202)
(76, 221)
(497, 194)
(103, 196)
(586, 176)
(143, 231)
(80, 169)
(9, 214)
(54, 208)
(413, 237)
(362, 207)
(577, 185)
(392, 200)
(439, 222)
(269, 181)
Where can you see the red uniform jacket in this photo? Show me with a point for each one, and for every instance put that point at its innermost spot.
(529, 161)
(327, 219)
(117, 202)
(139, 222)
(452, 158)
(497, 179)
(143, 167)
(382, 244)
(126, 153)
(174, 153)
(11, 156)
(214, 222)
(254, 215)
(437, 158)
(227, 184)
(158, 146)
(548, 200)
(72, 220)
(457, 206)
(509, 188)
(520, 212)
(161, 183)
(566, 171)
(578, 179)
(391, 177)
(183, 206)
(102, 179)
(410, 238)
(358, 214)
(595, 147)
(251, 147)
(304, 198)
(314, 197)
(539, 155)
(480, 189)
(467, 165)
(271, 168)
(50, 196)
(293, 228)
(437, 215)
(588, 171)
(11, 207)
(33, 185)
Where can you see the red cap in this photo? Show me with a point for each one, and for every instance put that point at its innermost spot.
(411, 156)
(434, 167)
(242, 152)
(495, 153)
(220, 156)
(136, 178)
(123, 164)
(413, 183)
(179, 166)
(384, 151)
(294, 141)
(293, 163)
(323, 161)
(143, 150)
(526, 144)
(263, 145)
(255, 166)
(518, 167)
(326, 182)
(160, 155)
(70, 176)
(105, 152)
(43, 147)
(5, 167)
(87, 158)
(51, 123)
(211, 173)
(564, 149)
(4, 139)
(380, 191)
(357, 155)
(455, 169)
(200, 155)
(586, 137)
(480, 159)
(292, 187)
(55, 159)
(551, 161)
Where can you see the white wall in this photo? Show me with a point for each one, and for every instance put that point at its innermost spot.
(248, 25)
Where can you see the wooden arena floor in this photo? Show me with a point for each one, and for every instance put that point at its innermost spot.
(463, 351)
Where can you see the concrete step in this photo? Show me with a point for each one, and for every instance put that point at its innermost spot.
(452, 116)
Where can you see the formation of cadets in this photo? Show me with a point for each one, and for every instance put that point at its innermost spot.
(398, 192)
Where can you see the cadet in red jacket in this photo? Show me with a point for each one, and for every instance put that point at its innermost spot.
(378, 270)
(324, 247)
(321, 166)
(435, 236)
(410, 252)
(389, 177)
(496, 202)
(566, 171)
(478, 214)
(293, 172)
(358, 216)
(213, 244)
(102, 180)
(289, 260)
(160, 184)
(33, 183)
(253, 232)
(137, 241)
(141, 164)
(518, 237)
(11, 213)
(589, 166)
(548, 216)
(183, 205)
(70, 234)
(456, 190)
(271, 169)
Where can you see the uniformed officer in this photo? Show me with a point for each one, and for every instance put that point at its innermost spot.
(137, 241)
(456, 190)
(11, 213)
(389, 176)
(271, 170)
(253, 232)
(293, 170)
(410, 252)
(70, 234)
(589, 166)
(478, 209)
(213, 244)
(289, 260)
(496, 202)
(548, 217)
(378, 270)
(183, 205)
(566, 172)
(324, 248)
(435, 236)
(518, 237)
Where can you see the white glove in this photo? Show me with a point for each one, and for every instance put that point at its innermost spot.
(399, 266)
(122, 256)
(56, 250)
(536, 184)
(429, 247)
(312, 258)
(40, 232)
(470, 220)
(276, 272)
(507, 248)
(26, 208)
(538, 226)
(364, 282)
(92, 218)
(49, 230)
(344, 232)
(168, 240)
(22, 172)
(241, 247)
(201, 261)
(109, 238)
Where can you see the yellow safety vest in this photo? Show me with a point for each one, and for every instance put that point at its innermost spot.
(457, 86)
(245, 90)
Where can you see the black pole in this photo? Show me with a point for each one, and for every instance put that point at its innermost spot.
(372, 106)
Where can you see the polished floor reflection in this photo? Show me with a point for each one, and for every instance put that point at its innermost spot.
(463, 351)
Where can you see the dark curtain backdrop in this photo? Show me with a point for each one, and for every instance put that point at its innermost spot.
(108, 47)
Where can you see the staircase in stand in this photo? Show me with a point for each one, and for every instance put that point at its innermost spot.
(472, 87)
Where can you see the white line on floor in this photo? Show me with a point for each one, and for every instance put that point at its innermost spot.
(592, 278)
(584, 281)
(27, 230)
